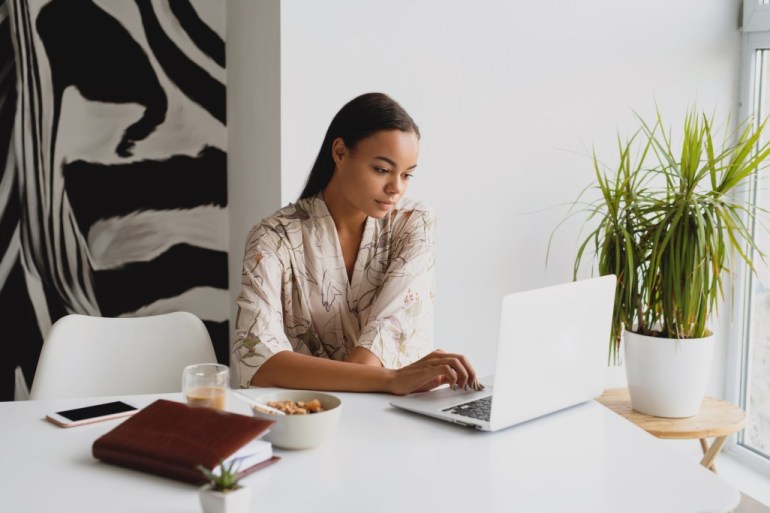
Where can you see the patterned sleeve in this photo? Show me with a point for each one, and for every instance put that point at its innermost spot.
(399, 330)
(259, 331)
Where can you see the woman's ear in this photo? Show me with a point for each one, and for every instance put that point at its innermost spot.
(339, 150)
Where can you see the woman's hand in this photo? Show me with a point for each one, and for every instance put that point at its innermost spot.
(363, 374)
(437, 368)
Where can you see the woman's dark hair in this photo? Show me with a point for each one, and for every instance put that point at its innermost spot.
(358, 119)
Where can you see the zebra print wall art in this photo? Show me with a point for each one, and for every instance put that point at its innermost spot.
(114, 191)
(20, 338)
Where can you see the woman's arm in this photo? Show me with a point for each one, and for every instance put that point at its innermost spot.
(294, 370)
(363, 356)
(259, 329)
(399, 311)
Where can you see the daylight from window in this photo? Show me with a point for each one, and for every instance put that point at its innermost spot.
(756, 436)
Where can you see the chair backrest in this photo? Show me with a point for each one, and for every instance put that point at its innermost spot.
(86, 356)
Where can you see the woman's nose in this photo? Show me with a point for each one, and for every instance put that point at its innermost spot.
(394, 186)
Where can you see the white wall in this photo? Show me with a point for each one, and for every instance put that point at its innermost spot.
(510, 97)
(253, 123)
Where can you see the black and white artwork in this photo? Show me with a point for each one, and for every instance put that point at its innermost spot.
(113, 192)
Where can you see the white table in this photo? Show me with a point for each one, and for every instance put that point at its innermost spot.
(380, 459)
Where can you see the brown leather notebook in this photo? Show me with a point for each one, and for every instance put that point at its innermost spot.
(169, 439)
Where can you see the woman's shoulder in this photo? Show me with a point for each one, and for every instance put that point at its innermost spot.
(285, 221)
(410, 217)
(409, 209)
(293, 213)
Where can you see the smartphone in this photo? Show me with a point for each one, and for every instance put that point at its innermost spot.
(89, 414)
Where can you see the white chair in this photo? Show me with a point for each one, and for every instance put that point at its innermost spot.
(86, 356)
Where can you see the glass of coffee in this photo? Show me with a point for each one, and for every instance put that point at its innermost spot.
(206, 384)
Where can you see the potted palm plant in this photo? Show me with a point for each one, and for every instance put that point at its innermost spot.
(671, 224)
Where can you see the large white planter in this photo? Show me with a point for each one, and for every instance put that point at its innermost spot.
(233, 501)
(667, 377)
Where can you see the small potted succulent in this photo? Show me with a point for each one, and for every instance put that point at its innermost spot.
(223, 493)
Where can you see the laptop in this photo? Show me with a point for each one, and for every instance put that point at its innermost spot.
(551, 354)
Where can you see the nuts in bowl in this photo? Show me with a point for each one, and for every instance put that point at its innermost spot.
(290, 407)
(310, 419)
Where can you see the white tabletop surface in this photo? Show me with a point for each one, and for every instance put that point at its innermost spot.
(583, 459)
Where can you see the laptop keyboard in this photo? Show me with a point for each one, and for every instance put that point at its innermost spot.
(478, 409)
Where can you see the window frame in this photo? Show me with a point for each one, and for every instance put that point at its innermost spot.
(756, 16)
(755, 36)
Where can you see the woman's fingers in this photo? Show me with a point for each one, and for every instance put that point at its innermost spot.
(430, 385)
(435, 375)
(421, 378)
(451, 366)
(437, 368)
(466, 374)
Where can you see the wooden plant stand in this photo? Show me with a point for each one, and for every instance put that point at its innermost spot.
(716, 419)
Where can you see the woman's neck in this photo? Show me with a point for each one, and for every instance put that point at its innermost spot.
(349, 223)
(347, 219)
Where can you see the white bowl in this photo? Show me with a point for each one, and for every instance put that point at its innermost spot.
(301, 431)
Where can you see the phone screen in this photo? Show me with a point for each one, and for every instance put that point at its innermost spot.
(97, 410)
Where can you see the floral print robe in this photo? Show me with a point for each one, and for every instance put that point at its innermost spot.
(296, 295)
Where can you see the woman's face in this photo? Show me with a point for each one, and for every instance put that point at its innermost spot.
(374, 175)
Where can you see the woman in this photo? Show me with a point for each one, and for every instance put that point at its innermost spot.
(338, 287)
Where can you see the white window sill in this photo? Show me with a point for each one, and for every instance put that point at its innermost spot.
(750, 481)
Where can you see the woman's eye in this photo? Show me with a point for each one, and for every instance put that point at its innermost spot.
(381, 171)
(408, 176)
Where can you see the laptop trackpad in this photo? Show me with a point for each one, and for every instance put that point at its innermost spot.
(439, 399)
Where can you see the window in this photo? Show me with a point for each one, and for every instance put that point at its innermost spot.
(753, 360)
(756, 15)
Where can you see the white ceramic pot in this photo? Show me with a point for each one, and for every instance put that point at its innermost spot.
(667, 377)
(234, 501)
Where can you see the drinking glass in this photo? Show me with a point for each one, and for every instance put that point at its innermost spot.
(206, 384)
